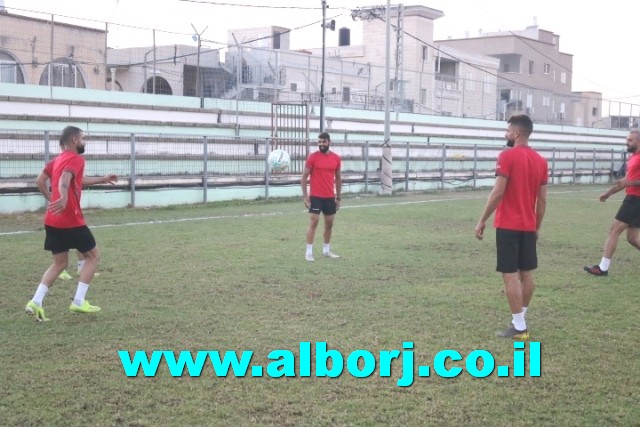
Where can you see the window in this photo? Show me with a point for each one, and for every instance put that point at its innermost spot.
(276, 40)
(530, 68)
(546, 101)
(594, 111)
(294, 87)
(64, 72)
(346, 94)
(529, 100)
(563, 77)
(10, 71)
(471, 84)
(505, 95)
(423, 96)
(162, 86)
(488, 84)
(425, 53)
(547, 68)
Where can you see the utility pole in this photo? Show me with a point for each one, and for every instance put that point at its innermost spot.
(386, 167)
(238, 81)
(198, 37)
(324, 36)
(386, 178)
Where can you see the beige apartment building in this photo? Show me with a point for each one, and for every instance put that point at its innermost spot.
(260, 66)
(423, 79)
(491, 75)
(534, 75)
(51, 53)
(168, 70)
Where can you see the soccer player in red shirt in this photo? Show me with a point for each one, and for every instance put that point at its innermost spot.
(322, 170)
(65, 226)
(628, 216)
(41, 182)
(519, 198)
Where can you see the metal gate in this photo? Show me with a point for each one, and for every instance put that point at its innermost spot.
(290, 132)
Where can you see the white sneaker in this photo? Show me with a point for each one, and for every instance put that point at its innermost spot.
(309, 257)
(330, 255)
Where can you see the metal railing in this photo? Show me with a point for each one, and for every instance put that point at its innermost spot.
(149, 162)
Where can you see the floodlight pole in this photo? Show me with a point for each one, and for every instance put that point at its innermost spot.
(386, 179)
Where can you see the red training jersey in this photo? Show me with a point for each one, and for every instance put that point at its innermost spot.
(633, 174)
(526, 171)
(323, 168)
(72, 215)
(48, 168)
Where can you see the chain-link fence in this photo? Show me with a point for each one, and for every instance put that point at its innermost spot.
(149, 162)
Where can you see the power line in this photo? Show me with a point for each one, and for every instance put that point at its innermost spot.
(215, 3)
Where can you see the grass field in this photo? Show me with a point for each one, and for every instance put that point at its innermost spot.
(232, 276)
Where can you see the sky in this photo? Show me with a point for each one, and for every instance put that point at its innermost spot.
(602, 38)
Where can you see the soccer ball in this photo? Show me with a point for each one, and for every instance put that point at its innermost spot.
(279, 160)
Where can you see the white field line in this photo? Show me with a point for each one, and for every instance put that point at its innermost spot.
(277, 213)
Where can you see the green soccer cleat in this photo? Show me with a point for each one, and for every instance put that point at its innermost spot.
(34, 309)
(512, 332)
(85, 307)
(64, 275)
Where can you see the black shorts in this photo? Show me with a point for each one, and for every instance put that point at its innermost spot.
(516, 250)
(326, 205)
(629, 211)
(59, 240)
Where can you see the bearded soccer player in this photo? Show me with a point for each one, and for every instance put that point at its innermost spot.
(65, 226)
(322, 170)
(519, 198)
(628, 216)
(41, 182)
